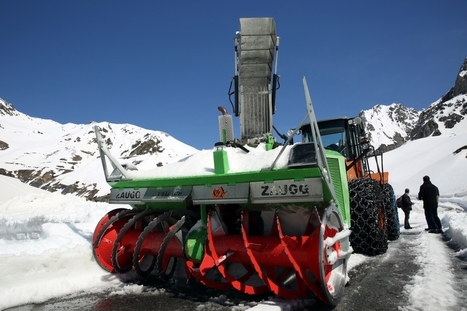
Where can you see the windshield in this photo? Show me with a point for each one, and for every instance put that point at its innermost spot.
(333, 138)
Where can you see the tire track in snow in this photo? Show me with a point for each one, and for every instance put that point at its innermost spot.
(435, 275)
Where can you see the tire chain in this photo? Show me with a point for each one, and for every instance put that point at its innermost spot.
(390, 209)
(367, 236)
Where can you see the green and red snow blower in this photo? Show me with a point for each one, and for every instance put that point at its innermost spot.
(252, 214)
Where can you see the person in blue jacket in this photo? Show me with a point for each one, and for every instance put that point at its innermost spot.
(429, 193)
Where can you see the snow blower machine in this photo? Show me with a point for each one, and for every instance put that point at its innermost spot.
(251, 214)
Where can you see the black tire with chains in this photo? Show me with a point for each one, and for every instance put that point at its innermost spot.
(368, 234)
(392, 216)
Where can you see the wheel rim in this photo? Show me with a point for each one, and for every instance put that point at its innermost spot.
(333, 256)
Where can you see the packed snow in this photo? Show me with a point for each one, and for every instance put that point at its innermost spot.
(60, 261)
(239, 161)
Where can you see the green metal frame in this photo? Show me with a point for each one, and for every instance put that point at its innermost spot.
(336, 167)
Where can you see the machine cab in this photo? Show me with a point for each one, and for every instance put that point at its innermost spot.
(343, 135)
(347, 136)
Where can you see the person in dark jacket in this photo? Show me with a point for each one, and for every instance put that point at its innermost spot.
(406, 207)
(429, 193)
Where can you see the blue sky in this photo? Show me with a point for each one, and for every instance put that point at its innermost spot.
(167, 66)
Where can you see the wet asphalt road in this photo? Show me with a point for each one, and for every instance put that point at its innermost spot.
(177, 297)
(377, 284)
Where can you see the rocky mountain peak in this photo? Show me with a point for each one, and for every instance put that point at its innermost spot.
(7, 108)
(382, 136)
(389, 126)
(460, 85)
(446, 112)
(440, 117)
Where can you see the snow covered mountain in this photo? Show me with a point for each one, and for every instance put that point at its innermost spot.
(64, 157)
(391, 126)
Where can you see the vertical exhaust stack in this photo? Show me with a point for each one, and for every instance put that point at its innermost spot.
(256, 47)
(226, 130)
